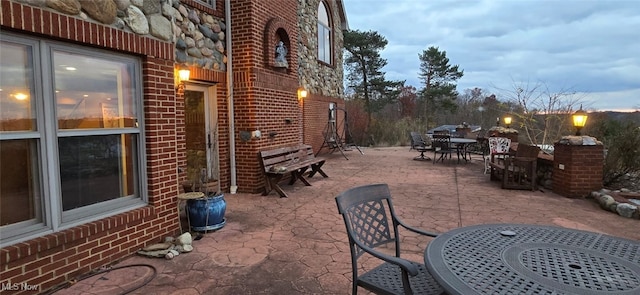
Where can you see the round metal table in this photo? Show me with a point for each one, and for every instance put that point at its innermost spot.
(532, 259)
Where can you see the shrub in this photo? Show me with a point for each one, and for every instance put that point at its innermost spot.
(622, 144)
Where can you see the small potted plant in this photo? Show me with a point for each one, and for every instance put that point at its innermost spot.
(206, 211)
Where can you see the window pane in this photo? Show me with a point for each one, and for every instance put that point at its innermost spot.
(323, 17)
(324, 44)
(17, 111)
(93, 92)
(327, 48)
(20, 191)
(94, 169)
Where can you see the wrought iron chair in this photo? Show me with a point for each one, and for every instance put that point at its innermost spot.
(498, 150)
(442, 145)
(366, 211)
(421, 145)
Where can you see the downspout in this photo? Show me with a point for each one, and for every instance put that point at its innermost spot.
(232, 139)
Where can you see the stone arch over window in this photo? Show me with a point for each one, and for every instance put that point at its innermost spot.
(325, 34)
(276, 31)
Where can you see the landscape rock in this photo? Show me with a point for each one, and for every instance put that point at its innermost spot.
(627, 210)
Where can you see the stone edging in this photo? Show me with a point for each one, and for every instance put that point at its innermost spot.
(608, 203)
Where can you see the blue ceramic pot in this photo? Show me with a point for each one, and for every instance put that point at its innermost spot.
(207, 213)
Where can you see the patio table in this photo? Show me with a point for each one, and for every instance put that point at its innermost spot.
(533, 259)
(461, 144)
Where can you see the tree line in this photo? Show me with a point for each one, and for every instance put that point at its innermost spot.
(382, 112)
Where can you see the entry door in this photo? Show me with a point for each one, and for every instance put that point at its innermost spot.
(201, 122)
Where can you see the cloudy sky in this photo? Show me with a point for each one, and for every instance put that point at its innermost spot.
(591, 47)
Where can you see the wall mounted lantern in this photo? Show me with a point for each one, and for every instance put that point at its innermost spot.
(507, 121)
(302, 93)
(579, 120)
(182, 74)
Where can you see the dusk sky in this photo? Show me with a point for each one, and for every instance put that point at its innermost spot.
(589, 47)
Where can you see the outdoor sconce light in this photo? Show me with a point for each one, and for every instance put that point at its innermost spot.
(507, 121)
(182, 75)
(498, 121)
(302, 93)
(579, 120)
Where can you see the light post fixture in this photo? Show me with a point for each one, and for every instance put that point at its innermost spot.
(507, 121)
(181, 74)
(579, 120)
(302, 93)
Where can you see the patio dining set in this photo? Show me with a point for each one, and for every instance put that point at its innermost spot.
(514, 165)
(484, 259)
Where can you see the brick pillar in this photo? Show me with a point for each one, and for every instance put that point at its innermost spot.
(577, 169)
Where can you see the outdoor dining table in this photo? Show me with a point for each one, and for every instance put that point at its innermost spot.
(533, 259)
(461, 144)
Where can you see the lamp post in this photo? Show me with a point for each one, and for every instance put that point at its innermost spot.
(579, 120)
(507, 121)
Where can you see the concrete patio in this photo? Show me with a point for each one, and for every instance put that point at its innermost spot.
(298, 245)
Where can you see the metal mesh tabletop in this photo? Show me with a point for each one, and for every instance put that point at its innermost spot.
(529, 259)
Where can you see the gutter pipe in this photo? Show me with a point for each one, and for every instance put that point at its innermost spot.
(232, 139)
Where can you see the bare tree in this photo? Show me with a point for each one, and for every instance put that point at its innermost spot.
(541, 114)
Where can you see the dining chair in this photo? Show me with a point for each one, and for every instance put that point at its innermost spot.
(371, 224)
(441, 144)
(498, 150)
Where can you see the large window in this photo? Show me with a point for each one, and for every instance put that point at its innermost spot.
(70, 136)
(324, 34)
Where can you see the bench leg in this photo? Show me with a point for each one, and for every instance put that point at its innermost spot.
(317, 168)
(298, 174)
(272, 183)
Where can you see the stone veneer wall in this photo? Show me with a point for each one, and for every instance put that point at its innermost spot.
(316, 76)
(198, 35)
(324, 82)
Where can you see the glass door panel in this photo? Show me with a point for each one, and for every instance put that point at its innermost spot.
(201, 139)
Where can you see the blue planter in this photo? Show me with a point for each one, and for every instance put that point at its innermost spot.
(207, 213)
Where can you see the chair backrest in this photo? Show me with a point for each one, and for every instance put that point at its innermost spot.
(499, 145)
(441, 142)
(416, 140)
(368, 216)
(527, 151)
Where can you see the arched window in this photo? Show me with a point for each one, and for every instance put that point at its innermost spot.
(324, 34)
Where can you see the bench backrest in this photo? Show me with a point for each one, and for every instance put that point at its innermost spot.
(527, 151)
(286, 156)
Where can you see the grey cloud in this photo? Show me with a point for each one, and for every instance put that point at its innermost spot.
(589, 45)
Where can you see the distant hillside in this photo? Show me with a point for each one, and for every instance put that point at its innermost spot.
(619, 116)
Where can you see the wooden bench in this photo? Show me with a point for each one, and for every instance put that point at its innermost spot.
(519, 171)
(292, 160)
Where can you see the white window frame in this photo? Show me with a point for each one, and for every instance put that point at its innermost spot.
(47, 135)
(210, 3)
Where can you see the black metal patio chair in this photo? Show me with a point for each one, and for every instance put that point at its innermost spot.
(366, 211)
(421, 145)
(442, 145)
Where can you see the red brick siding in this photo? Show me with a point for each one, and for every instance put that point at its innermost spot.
(55, 258)
(583, 169)
(316, 118)
(263, 96)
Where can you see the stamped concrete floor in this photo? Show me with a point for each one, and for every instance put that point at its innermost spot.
(298, 245)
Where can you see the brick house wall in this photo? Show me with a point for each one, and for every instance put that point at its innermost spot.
(582, 170)
(52, 259)
(265, 98)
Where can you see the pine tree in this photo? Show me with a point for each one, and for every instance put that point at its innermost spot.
(364, 70)
(439, 79)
